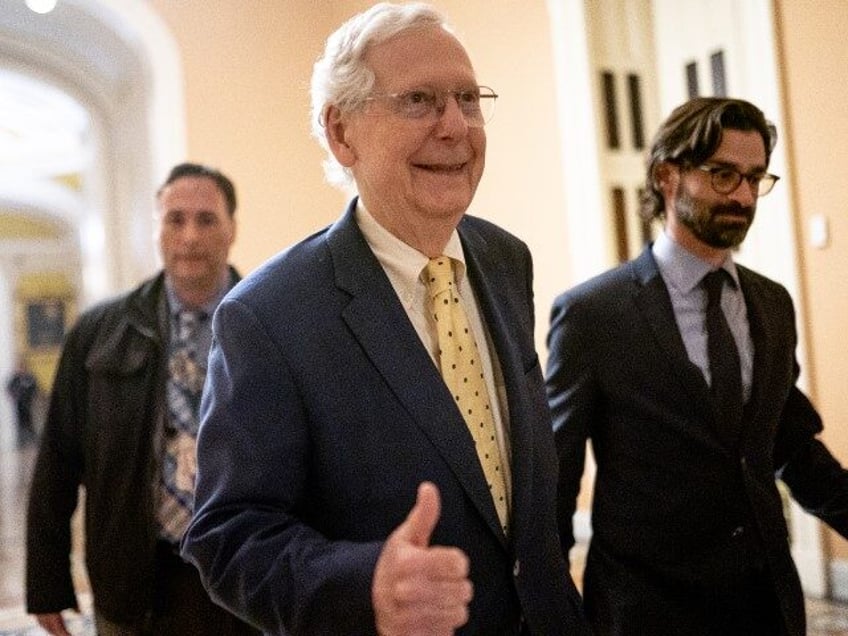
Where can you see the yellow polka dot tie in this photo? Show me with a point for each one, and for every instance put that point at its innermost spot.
(463, 373)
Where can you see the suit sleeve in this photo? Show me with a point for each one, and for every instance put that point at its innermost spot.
(256, 553)
(817, 480)
(571, 395)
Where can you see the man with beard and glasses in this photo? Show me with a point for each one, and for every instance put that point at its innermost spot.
(689, 398)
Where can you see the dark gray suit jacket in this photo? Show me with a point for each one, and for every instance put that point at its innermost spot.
(323, 412)
(675, 509)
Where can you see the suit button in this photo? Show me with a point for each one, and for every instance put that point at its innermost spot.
(738, 532)
(516, 568)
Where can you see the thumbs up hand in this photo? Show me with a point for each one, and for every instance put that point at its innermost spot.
(419, 589)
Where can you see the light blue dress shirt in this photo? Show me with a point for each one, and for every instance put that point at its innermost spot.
(682, 272)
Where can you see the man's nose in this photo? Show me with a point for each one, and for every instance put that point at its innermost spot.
(745, 193)
(191, 231)
(451, 117)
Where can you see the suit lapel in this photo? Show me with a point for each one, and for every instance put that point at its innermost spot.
(379, 323)
(654, 304)
(485, 271)
(759, 307)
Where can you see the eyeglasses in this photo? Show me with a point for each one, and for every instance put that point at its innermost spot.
(725, 179)
(477, 104)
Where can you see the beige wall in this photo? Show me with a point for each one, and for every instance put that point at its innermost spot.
(814, 56)
(247, 65)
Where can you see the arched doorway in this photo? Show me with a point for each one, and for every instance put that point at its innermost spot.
(110, 72)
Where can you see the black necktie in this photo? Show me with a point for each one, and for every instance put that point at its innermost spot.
(726, 376)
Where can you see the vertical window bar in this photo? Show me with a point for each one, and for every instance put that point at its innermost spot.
(619, 212)
(635, 92)
(717, 69)
(692, 79)
(608, 81)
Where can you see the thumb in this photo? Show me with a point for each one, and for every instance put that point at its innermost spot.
(421, 520)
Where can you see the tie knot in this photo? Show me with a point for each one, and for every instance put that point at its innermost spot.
(713, 284)
(439, 275)
(188, 321)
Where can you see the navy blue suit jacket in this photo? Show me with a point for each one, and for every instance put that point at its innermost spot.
(679, 517)
(321, 415)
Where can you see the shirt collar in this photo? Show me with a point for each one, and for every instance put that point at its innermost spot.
(681, 268)
(176, 306)
(402, 260)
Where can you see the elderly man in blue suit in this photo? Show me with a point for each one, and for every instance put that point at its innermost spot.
(340, 490)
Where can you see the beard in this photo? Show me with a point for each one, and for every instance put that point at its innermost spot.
(710, 223)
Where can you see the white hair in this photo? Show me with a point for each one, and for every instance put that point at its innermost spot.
(341, 78)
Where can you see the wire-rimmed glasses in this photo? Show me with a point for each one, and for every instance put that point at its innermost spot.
(426, 103)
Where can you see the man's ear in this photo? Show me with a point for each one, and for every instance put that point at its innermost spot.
(666, 177)
(337, 131)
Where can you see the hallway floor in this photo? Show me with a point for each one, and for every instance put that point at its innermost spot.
(15, 469)
(825, 619)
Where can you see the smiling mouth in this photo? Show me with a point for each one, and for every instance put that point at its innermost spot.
(442, 169)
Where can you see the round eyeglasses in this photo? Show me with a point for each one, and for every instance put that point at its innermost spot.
(725, 179)
(426, 103)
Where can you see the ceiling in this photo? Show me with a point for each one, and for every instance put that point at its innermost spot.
(43, 131)
(81, 51)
